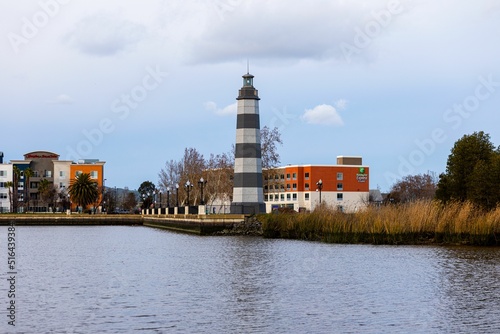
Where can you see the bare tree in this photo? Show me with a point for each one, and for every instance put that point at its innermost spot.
(219, 174)
(414, 187)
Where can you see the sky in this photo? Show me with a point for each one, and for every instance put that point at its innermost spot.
(134, 83)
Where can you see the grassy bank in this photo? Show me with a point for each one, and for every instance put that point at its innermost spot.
(422, 222)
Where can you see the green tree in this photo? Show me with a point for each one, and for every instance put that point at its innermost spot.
(83, 190)
(28, 173)
(48, 193)
(146, 192)
(470, 171)
(16, 176)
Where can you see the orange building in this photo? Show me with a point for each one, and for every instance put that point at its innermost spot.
(90, 166)
(345, 186)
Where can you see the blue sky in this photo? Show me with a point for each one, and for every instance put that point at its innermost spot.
(134, 83)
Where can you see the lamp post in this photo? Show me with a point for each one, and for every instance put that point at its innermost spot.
(201, 183)
(160, 198)
(319, 184)
(188, 187)
(177, 194)
(168, 197)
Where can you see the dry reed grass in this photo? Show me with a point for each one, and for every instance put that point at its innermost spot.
(412, 223)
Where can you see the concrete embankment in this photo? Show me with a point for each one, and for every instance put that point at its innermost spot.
(74, 219)
(197, 224)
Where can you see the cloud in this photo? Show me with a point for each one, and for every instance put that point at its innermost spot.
(229, 110)
(323, 114)
(341, 104)
(62, 99)
(105, 35)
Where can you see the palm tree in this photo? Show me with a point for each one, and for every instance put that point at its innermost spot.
(10, 185)
(83, 190)
(15, 184)
(28, 173)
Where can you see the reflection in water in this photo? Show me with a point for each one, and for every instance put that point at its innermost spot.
(128, 279)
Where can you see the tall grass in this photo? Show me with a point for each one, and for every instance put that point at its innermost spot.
(420, 222)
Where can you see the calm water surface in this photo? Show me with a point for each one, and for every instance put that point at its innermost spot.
(138, 279)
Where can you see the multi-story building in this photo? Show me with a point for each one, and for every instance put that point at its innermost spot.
(302, 187)
(5, 177)
(44, 165)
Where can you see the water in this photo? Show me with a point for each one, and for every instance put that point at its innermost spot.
(137, 279)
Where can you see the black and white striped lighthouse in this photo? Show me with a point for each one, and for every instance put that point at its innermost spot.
(248, 196)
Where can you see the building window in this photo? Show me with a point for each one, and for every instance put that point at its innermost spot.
(288, 176)
(276, 197)
(340, 208)
(282, 176)
(340, 197)
(265, 188)
(294, 176)
(306, 197)
(340, 176)
(306, 176)
(93, 174)
(288, 187)
(78, 173)
(282, 197)
(36, 174)
(48, 173)
(266, 198)
(295, 186)
(276, 177)
(288, 197)
(3, 196)
(340, 186)
(3, 184)
(306, 186)
(3, 173)
(20, 185)
(62, 173)
(294, 196)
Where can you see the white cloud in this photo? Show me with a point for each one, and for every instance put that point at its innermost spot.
(105, 35)
(323, 114)
(62, 99)
(229, 110)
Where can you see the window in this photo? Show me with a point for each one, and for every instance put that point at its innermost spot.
(3, 173)
(48, 173)
(276, 177)
(306, 176)
(306, 186)
(276, 197)
(340, 186)
(306, 197)
(62, 173)
(295, 186)
(340, 197)
(78, 173)
(3, 196)
(288, 197)
(282, 197)
(340, 208)
(3, 184)
(288, 187)
(282, 187)
(288, 176)
(61, 185)
(265, 188)
(266, 198)
(20, 185)
(294, 196)
(93, 174)
(282, 176)
(294, 176)
(35, 174)
(340, 176)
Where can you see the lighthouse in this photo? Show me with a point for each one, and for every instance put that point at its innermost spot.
(248, 196)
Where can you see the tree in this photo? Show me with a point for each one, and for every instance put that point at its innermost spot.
(129, 201)
(470, 172)
(28, 173)
(269, 150)
(414, 187)
(83, 190)
(146, 192)
(47, 192)
(219, 174)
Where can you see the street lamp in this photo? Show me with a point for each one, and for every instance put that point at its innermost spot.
(201, 183)
(188, 187)
(168, 197)
(177, 194)
(319, 184)
(160, 198)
